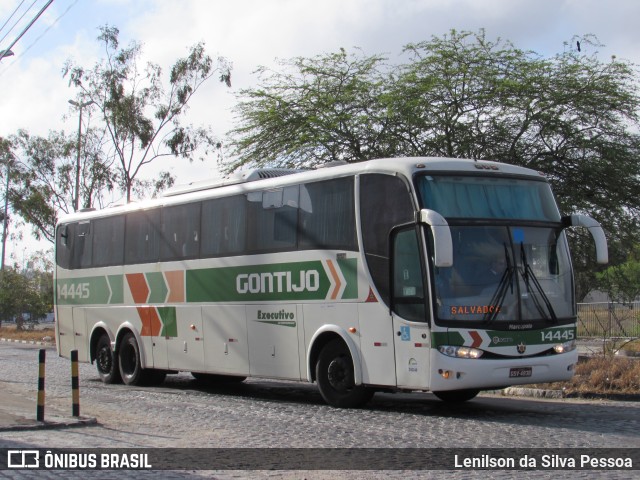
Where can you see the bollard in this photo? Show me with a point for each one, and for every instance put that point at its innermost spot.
(75, 385)
(40, 408)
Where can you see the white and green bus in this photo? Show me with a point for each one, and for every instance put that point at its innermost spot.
(426, 274)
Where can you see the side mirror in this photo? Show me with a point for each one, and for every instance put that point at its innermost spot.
(602, 253)
(442, 243)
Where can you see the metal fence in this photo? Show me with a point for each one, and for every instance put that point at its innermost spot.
(609, 320)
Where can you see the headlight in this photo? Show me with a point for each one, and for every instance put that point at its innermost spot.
(565, 347)
(460, 352)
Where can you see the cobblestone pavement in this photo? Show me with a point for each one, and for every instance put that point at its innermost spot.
(262, 413)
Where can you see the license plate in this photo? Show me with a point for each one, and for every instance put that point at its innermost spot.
(520, 372)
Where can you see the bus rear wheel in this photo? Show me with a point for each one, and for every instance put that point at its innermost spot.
(335, 377)
(131, 367)
(456, 396)
(129, 360)
(106, 362)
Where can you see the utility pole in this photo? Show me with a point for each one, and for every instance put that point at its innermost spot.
(4, 220)
(80, 106)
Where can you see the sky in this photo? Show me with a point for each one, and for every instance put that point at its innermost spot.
(253, 33)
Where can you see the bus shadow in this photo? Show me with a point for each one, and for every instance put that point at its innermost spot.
(600, 418)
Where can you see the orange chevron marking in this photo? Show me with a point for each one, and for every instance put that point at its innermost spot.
(477, 339)
(175, 282)
(336, 278)
(138, 286)
(151, 323)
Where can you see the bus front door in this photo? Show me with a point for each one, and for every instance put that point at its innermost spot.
(412, 347)
(412, 340)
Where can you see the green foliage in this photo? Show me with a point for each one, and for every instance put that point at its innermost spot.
(29, 292)
(622, 282)
(571, 116)
(142, 119)
(43, 179)
(138, 121)
(314, 111)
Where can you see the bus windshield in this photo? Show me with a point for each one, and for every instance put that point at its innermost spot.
(482, 197)
(510, 270)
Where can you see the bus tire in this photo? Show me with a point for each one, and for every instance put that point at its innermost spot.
(334, 374)
(456, 396)
(129, 360)
(106, 361)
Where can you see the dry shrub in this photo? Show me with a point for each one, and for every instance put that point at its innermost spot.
(30, 335)
(605, 375)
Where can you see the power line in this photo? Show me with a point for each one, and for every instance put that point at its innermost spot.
(24, 52)
(10, 17)
(3, 53)
(46, 30)
(17, 21)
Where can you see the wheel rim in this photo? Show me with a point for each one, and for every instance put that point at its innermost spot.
(339, 374)
(105, 360)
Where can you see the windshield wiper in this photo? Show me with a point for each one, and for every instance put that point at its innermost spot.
(530, 278)
(506, 282)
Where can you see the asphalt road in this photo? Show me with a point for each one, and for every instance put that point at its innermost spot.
(183, 413)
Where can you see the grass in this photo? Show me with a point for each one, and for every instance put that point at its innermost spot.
(602, 375)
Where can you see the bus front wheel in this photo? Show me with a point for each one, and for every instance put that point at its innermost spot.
(334, 374)
(106, 361)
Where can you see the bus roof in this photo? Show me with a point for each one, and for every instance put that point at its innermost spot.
(250, 180)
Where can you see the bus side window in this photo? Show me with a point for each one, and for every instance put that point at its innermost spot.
(142, 237)
(180, 232)
(81, 245)
(384, 203)
(272, 224)
(63, 247)
(223, 228)
(327, 215)
(108, 241)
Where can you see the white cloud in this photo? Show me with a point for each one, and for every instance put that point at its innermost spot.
(256, 32)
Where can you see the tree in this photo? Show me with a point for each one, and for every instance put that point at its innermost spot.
(142, 119)
(35, 297)
(622, 282)
(314, 111)
(571, 116)
(44, 177)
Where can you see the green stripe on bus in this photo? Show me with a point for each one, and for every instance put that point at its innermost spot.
(89, 290)
(349, 267)
(293, 281)
(272, 282)
(116, 283)
(507, 338)
(169, 321)
(157, 287)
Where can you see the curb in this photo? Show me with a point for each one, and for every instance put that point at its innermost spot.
(558, 394)
(51, 424)
(532, 392)
(27, 342)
